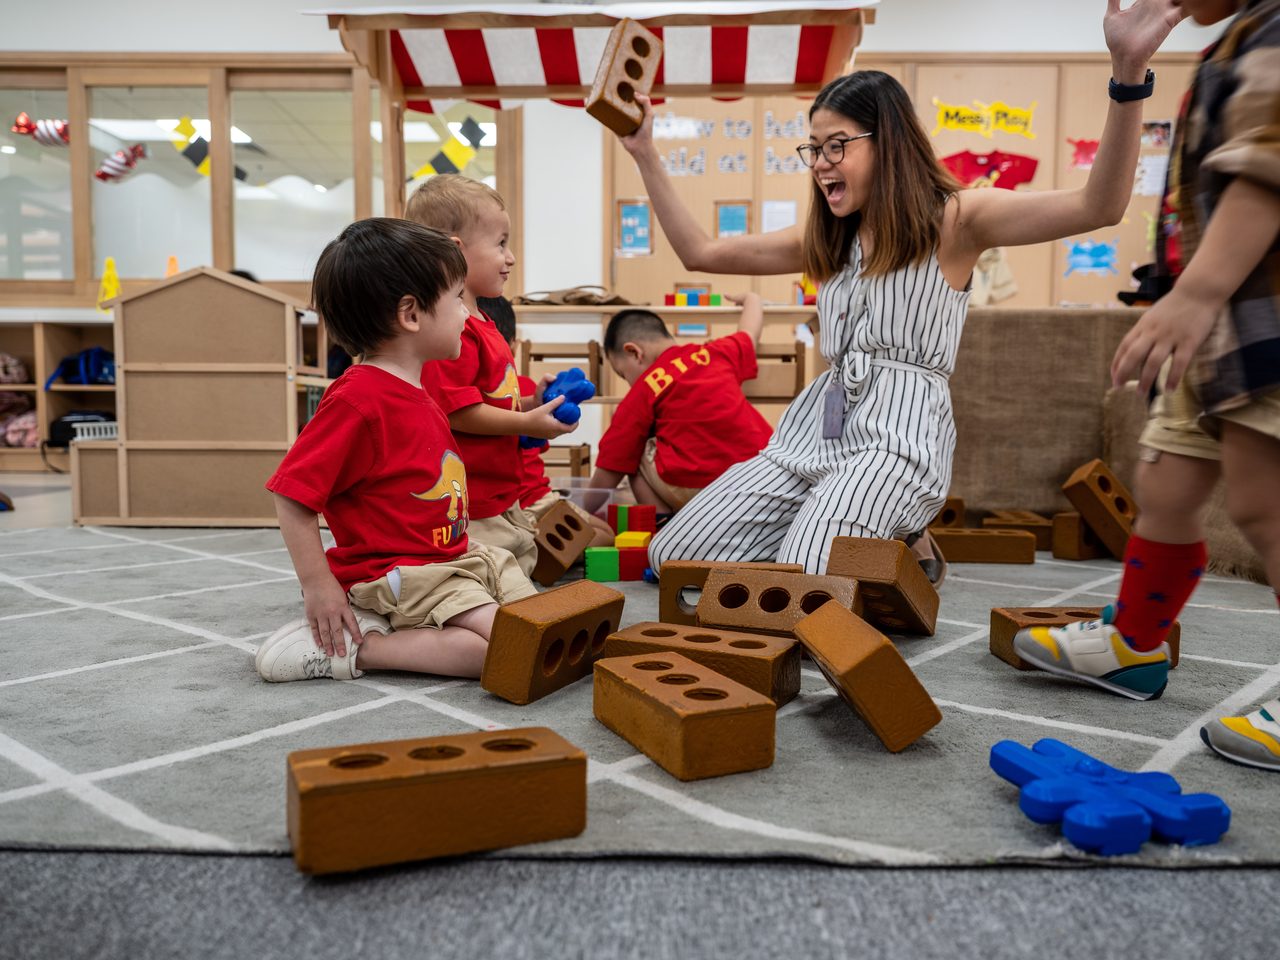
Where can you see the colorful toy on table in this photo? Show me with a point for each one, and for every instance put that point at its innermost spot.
(1104, 810)
(573, 385)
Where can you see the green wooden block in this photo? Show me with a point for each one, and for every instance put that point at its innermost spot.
(602, 563)
(715, 299)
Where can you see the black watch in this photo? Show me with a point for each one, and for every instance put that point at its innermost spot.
(1124, 92)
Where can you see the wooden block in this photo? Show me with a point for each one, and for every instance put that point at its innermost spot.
(627, 67)
(632, 538)
(642, 517)
(951, 514)
(562, 538)
(766, 601)
(961, 545)
(1026, 520)
(1007, 621)
(632, 562)
(688, 719)
(892, 589)
(542, 643)
(603, 564)
(1073, 540)
(768, 665)
(869, 674)
(1104, 502)
(678, 575)
(372, 804)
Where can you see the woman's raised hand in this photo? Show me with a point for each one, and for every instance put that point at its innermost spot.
(1134, 34)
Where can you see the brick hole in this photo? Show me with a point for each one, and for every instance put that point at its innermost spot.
(634, 68)
(1038, 615)
(572, 522)
(747, 644)
(679, 679)
(775, 599)
(1082, 614)
(640, 45)
(687, 599)
(508, 745)
(892, 622)
(551, 659)
(658, 632)
(555, 542)
(626, 93)
(601, 634)
(358, 761)
(812, 601)
(562, 531)
(653, 665)
(947, 516)
(703, 638)
(578, 646)
(734, 596)
(1122, 505)
(440, 751)
(880, 607)
(706, 693)
(1103, 484)
(871, 593)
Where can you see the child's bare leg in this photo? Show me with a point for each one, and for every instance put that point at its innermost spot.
(1251, 463)
(646, 494)
(455, 650)
(1172, 493)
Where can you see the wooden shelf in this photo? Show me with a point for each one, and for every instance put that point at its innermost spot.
(18, 388)
(83, 388)
(773, 313)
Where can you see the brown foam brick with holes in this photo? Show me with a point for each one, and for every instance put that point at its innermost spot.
(627, 67)
(542, 643)
(1033, 523)
(676, 576)
(562, 539)
(1073, 540)
(964, 545)
(1007, 621)
(372, 804)
(768, 602)
(1104, 502)
(870, 675)
(951, 514)
(768, 665)
(690, 720)
(893, 591)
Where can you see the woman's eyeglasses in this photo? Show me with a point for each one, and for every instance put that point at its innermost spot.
(832, 149)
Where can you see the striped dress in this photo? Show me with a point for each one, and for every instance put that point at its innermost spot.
(865, 449)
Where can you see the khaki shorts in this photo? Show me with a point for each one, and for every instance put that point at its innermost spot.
(513, 531)
(1174, 425)
(432, 594)
(675, 497)
(540, 508)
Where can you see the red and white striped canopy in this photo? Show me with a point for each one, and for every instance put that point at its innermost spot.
(501, 54)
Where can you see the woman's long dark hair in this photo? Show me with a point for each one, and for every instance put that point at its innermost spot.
(909, 186)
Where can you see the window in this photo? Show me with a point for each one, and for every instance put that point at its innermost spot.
(35, 186)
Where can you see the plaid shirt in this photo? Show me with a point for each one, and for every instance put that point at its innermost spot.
(1232, 129)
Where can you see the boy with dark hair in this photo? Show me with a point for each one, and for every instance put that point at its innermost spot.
(685, 419)
(402, 588)
(477, 388)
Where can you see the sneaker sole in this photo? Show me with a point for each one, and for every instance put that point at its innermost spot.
(1032, 651)
(1230, 758)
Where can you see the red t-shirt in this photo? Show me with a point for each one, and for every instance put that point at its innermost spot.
(1005, 170)
(691, 400)
(534, 484)
(484, 372)
(379, 462)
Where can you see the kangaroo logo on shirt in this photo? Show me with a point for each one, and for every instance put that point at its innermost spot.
(452, 484)
(508, 389)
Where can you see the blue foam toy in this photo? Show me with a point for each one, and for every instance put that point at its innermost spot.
(1104, 810)
(533, 443)
(573, 385)
(649, 575)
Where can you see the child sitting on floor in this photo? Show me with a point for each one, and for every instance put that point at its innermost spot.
(403, 588)
(685, 419)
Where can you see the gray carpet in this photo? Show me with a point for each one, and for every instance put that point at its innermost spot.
(131, 718)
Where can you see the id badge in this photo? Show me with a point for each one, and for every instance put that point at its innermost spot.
(833, 411)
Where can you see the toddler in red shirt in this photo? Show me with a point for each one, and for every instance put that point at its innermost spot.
(685, 419)
(402, 588)
(477, 388)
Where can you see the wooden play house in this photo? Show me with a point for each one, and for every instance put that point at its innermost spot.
(208, 371)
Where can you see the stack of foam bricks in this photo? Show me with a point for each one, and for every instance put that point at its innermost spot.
(628, 559)
(1099, 525)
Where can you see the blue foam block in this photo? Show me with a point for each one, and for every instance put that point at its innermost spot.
(573, 385)
(1104, 810)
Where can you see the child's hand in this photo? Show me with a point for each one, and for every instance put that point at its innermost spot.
(1175, 327)
(328, 612)
(1133, 35)
(642, 140)
(541, 389)
(741, 298)
(542, 423)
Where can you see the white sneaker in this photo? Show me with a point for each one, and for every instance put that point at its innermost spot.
(291, 653)
(1094, 651)
(1253, 740)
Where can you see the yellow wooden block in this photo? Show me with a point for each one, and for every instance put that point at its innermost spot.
(632, 538)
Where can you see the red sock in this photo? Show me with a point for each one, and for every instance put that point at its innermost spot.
(1158, 580)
